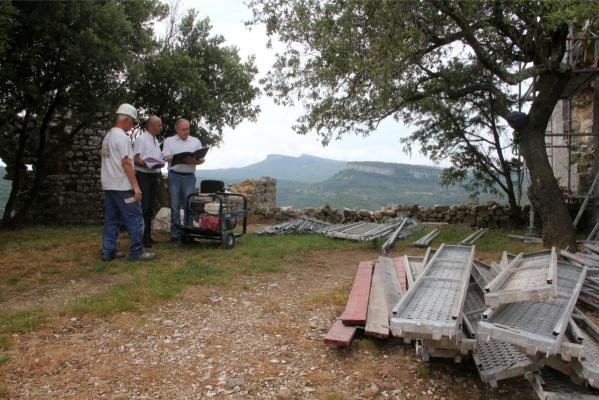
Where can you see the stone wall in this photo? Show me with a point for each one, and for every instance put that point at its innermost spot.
(261, 193)
(72, 193)
(481, 215)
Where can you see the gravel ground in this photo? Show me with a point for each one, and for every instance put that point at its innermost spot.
(259, 337)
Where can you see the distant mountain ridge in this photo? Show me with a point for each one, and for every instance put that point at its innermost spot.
(305, 168)
(374, 184)
(309, 181)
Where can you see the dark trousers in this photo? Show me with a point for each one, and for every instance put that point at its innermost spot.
(148, 183)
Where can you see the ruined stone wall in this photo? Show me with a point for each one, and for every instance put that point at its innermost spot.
(74, 196)
(261, 193)
(481, 215)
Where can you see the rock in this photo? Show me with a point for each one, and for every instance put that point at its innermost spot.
(284, 393)
(233, 382)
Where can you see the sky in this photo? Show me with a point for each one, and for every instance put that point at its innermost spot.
(272, 132)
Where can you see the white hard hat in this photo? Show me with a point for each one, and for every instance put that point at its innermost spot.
(128, 110)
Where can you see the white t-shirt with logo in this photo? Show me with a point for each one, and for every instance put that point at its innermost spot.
(115, 146)
(175, 145)
(146, 145)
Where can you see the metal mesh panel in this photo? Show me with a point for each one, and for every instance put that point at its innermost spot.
(550, 384)
(432, 307)
(589, 367)
(537, 327)
(434, 300)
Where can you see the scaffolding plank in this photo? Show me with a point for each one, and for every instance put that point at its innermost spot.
(377, 321)
(432, 308)
(552, 385)
(340, 334)
(413, 266)
(589, 367)
(494, 360)
(530, 279)
(482, 273)
(357, 303)
(537, 327)
(400, 270)
(391, 282)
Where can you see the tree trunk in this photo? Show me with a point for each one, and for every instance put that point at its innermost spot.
(8, 217)
(544, 192)
(40, 161)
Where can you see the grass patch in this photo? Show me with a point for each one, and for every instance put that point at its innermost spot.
(336, 297)
(21, 321)
(423, 371)
(5, 342)
(149, 287)
(3, 358)
(4, 389)
(366, 343)
(40, 256)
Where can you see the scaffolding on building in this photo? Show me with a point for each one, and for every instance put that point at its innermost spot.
(559, 139)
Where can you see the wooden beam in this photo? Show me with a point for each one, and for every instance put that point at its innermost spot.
(400, 269)
(340, 335)
(357, 304)
(377, 323)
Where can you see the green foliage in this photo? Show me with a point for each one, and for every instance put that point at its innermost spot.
(194, 76)
(444, 65)
(66, 66)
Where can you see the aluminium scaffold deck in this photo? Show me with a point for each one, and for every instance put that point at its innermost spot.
(482, 274)
(589, 367)
(302, 224)
(495, 360)
(537, 327)
(432, 307)
(363, 231)
(551, 385)
(414, 266)
(527, 278)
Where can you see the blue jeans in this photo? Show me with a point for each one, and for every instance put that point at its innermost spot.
(179, 188)
(117, 210)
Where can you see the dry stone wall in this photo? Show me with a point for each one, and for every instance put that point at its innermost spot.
(481, 215)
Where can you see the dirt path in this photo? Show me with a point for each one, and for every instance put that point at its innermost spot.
(259, 337)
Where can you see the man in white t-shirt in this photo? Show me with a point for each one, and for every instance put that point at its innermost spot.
(181, 177)
(146, 147)
(121, 190)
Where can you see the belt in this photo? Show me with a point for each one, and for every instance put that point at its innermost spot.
(181, 173)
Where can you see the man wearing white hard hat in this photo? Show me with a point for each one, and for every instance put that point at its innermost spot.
(121, 191)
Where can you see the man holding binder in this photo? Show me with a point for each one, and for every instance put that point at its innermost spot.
(147, 155)
(181, 176)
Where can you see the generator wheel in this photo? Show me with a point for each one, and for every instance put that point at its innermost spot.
(228, 239)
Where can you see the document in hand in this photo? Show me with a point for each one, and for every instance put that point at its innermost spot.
(179, 158)
(154, 163)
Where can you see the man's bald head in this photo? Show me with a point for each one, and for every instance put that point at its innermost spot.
(182, 128)
(154, 125)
